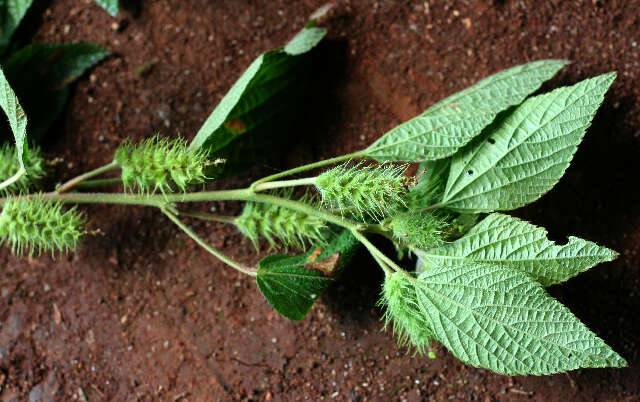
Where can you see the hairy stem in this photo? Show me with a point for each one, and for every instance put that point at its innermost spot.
(79, 179)
(304, 168)
(234, 264)
(19, 174)
(309, 181)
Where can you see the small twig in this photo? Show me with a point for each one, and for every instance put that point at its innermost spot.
(83, 397)
(95, 388)
(180, 396)
(521, 392)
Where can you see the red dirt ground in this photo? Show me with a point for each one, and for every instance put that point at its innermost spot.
(142, 313)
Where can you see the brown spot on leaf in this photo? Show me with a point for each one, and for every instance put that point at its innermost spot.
(236, 126)
(326, 267)
(316, 253)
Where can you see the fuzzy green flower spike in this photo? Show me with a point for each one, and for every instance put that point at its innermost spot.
(272, 222)
(401, 307)
(161, 164)
(423, 230)
(376, 191)
(33, 225)
(33, 163)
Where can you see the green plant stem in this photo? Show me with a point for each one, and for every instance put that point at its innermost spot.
(207, 217)
(387, 263)
(79, 179)
(379, 230)
(19, 174)
(99, 182)
(160, 200)
(97, 198)
(234, 264)
(304, 168)
(309, 181)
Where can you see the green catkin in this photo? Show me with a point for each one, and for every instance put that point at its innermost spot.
(160, 164)
(33, 163)
(34, 225)
(424, 230)
(409, 323)
(376, 191)
(275, 223)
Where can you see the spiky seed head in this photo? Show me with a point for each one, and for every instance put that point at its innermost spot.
(33, 163)
(160, 164)
(376, 191)
(401, 309)
(33, 225)
(278, 224)
(423, 230)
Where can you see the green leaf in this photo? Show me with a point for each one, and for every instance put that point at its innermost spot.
(16, 115)
(256, 112)
(288, 287)
(11, 13)
(523, 156)
(510, 242)
(110, 5)
(451, 123)
(305, 40)
(501, 319)
(40, 75)
(431, 182)
(292, 283)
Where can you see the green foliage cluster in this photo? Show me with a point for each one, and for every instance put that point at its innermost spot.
(479, 285)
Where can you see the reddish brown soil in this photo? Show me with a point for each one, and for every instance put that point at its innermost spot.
(142, 313)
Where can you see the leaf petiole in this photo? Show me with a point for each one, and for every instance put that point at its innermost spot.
(79, 179)
(309, 181)
(206, 217)
(99, 182)
(234, 264)
(386, 263)
(306, 167)
(19, 175)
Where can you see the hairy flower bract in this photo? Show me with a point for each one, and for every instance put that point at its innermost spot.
(33, 225)
(161, 164)
(376, 191)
